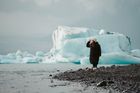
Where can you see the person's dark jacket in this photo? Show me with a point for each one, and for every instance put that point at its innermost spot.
(95, 49)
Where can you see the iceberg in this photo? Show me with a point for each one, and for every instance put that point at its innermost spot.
(69, 46)
(66, 41)
(22, 57)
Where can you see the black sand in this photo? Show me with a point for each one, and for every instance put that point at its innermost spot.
(125, 79)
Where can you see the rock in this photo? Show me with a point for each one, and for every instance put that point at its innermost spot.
(102, 83)
(113, 66)
(80, 69)
(125, 79)
(109, 78)
(87, 68)
(110, 82)
(92, 81)
(50, 75)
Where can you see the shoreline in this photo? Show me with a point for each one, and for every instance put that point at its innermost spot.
(37, 78)
(124, 79)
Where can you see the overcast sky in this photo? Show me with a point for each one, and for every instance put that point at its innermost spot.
(28, 24)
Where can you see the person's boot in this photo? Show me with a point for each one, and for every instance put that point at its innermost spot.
(94, 68)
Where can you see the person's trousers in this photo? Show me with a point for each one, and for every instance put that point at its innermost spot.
(94, 61)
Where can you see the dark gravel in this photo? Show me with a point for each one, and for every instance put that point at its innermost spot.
(125, 79)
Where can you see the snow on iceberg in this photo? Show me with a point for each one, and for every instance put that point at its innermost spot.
(69, 45)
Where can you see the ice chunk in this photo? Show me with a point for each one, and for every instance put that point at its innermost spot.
(19, 53)
(18, 57)
(70, 43)
(11, 56)
(113, 58)
(84, 60)
(68, 40)
(136, 52)
(40, 54)
(74, 48)
(63, 32)
(30, 60)
(8, 61)
(102, 32)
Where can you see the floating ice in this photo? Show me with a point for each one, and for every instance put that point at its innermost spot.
(69, 45)
(114, 58)
(22, 57)
(40, 54)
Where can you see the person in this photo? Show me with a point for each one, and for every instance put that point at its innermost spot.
(95, 52)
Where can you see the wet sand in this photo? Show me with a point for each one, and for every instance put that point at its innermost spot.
(124, 79)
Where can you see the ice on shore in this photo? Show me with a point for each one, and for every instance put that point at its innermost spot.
(69, 45)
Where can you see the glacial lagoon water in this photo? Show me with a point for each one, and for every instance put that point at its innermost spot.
(37, 78)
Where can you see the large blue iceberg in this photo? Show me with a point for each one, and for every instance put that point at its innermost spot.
(69, 45)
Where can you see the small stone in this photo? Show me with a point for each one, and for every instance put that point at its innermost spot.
(109, 78)
(113, 66)
(102, 83)
(130, 84)
(87, 68)
(110, 82)
(92, 81)
(50, 75)
(123, 83)
(79, 69)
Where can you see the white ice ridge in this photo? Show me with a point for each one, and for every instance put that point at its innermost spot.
(69, 45)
